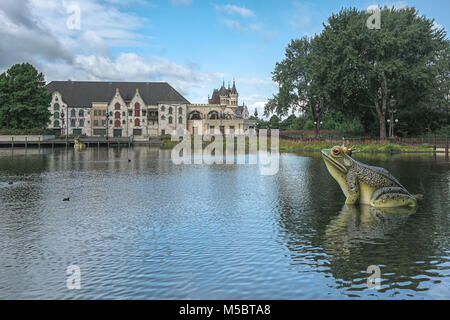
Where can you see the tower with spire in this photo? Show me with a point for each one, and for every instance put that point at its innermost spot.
(225, 96)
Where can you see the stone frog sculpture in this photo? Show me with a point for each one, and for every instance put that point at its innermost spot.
(78, 144)
(369, 185)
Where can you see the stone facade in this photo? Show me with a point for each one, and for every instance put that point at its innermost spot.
(126, 114)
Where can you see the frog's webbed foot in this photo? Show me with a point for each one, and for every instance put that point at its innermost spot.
(390, 197)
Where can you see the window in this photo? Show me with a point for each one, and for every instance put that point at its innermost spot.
(137, 109)
(163, 108)
(117, 106)
(163, 132)
(170, 119)
(99, 132)
(124, 114)
(170, 110)
(77, 132)
(137, 132)
(180, 110)
(123, 122)
(211, 130)
(96, 123)
(130, 112)
(72, 122)
(104, 123)
(81, 113)
(56, 123)
(56, 115)
(56, 106)
(144, 113)
(117, 123)
(137, 123)
(180, 120)
(72, 113)
(81, 122)
(163, 118)
(117, 115)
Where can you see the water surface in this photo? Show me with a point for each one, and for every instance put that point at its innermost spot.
(148, 229)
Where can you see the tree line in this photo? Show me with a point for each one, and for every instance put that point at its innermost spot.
(359, 78)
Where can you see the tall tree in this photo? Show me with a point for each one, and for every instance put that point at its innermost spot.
(355, 70)
(365, 67)
(24, 100)
(297, 90)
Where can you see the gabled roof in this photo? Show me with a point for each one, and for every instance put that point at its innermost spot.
(83, 93)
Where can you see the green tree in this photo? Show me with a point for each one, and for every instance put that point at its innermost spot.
(24, 100)
(274, 122)
(362, 68)
(354, 70)
(297, 90)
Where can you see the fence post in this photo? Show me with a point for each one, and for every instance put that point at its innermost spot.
(12, 142)
(446, 147)
(434, 148)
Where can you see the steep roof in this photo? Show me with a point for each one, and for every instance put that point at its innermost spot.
(83, 93)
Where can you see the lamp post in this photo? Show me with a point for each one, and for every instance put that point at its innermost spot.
(317, 119)
(62, 127)
(107, 123)
(392, 106)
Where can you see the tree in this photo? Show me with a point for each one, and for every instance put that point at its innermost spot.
(363, 68)
(297, 90)
(351, 69)
(274, 122)
(256, 113)
(24, 100)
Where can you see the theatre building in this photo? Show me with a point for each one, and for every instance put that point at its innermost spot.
(141, 109)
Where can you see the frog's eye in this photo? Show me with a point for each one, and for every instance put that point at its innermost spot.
(336, 151)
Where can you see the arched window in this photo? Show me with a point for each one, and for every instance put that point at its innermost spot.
(72, 113)
(137, 109)
(117, 115)
(163, 108)
(81, 113)
(56, 115)
(170, 110)
(213, 115)
(56, 123)
(117, 106)
(163, 117)
(180, 110)
(195, 115)
(81, 123)
(137, 123)
(117, 123)
(56, 106)
(170, 119)
(180, 120)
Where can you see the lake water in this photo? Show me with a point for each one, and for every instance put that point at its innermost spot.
(149, 229)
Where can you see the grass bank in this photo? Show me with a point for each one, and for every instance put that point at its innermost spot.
(375, 146)
(317, 145)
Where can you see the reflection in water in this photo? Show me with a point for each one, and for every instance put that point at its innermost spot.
(362, 224)
(149, 229)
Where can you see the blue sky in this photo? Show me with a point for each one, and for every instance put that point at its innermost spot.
(191, 44)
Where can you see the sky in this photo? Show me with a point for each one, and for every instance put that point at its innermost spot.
(194, 45)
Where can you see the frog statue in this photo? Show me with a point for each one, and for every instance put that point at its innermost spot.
(365, 184)
(78, 145)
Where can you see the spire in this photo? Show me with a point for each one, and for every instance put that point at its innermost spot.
(233, 90)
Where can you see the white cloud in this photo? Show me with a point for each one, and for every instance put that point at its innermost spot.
(232, 9)
(35, 31)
